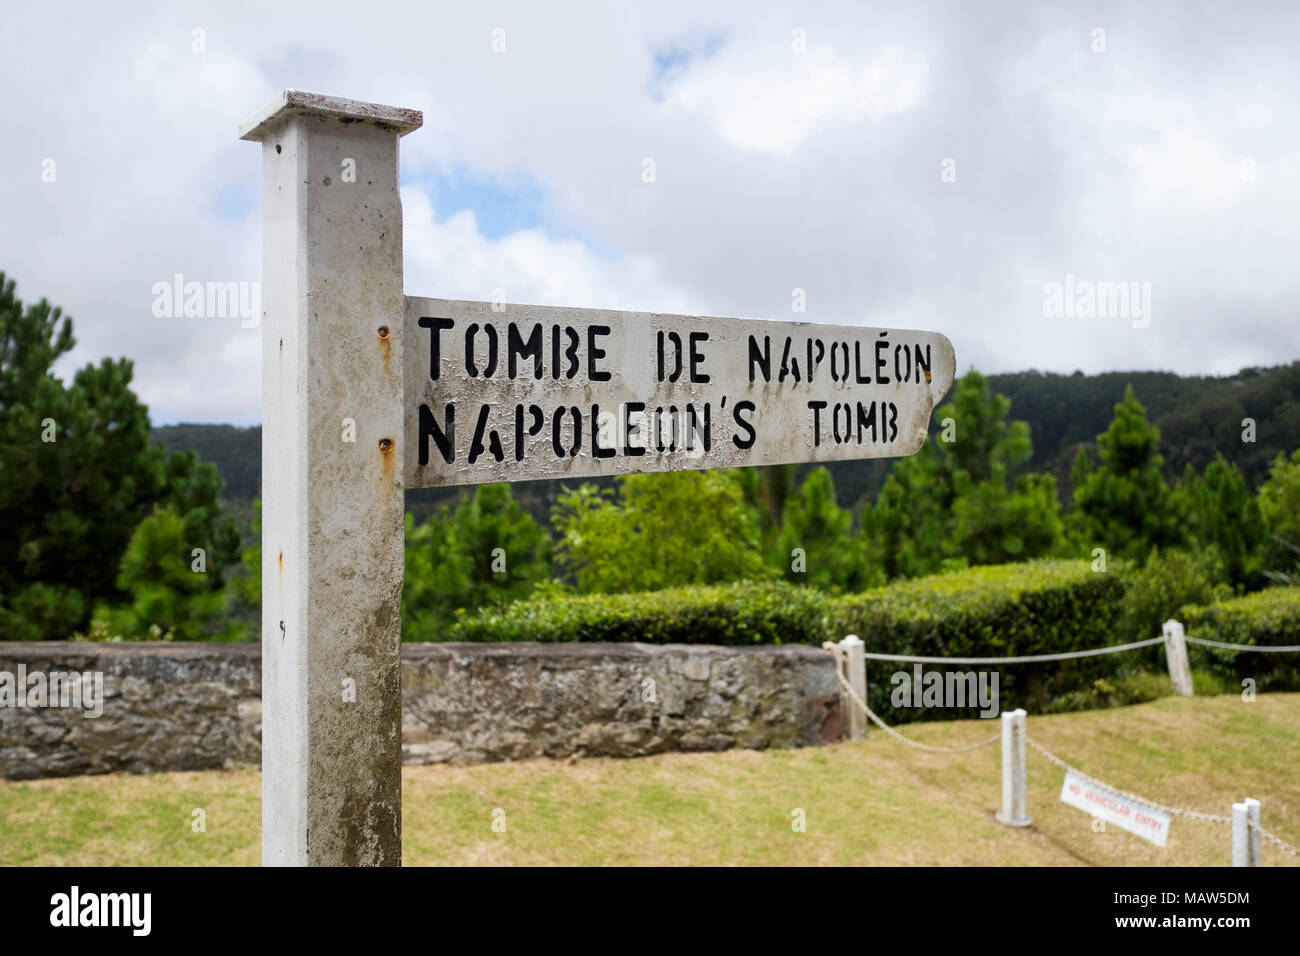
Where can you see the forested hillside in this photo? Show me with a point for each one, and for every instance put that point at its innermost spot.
(1198, 416)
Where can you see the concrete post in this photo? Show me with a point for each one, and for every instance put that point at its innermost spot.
(1245, 841)
(1015, 803)
(332, 508)
(855, 672)
(1180, 670)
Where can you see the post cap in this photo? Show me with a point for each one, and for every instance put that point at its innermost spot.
(302, 103)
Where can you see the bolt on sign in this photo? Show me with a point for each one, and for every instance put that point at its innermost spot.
(439, 392)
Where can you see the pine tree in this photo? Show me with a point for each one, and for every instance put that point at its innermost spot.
(506, 552)
(1224, 520)
(1279, 507)
(1125, 504)
(77, 475)
(955, 503)
(171, 596)
(817, 544)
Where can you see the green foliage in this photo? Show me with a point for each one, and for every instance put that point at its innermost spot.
(1198, 416)
(1125, 505)
(41, 610)
(832, 557)
(168, 593)
(1267, 617)
(1035, 607)
(246, 588)
(1120, 690)
(995, 520)
(766, 490)
(506, 552)
(1224, 520)
(909, 523)
(69, 505)
(1030, 608)
(436, 584)
(1167, 583)
(661, 531)
(995, 525)
(763, 613)
(236, 452)
(488, 552)
(954, 502)
(1213, 421)
(1279, 508)
(987, 446)
(990, 610)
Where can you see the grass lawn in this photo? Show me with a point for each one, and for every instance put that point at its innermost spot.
(870, 802)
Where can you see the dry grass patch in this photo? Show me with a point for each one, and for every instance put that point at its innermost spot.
(872, 802)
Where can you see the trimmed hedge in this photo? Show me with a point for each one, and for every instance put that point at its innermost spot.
(1032, 607)
(1036, 607)
(1025, 608)
(771, 613)
(1268, 617)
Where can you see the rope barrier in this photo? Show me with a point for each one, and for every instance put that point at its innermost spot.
(1013, 660)
(1241, 647)
(896, 735)
(1047, 754)
(1173, 811)
(1287, 847)
(1071, 655)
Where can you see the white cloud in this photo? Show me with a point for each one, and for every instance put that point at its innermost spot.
(762, 98)
(1188, 166)
(452, 259)
(775, 170)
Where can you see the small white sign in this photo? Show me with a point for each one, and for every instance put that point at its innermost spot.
(1147, 822)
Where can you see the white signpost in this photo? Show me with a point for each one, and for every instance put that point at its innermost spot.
(366, 392)
(1098, 801)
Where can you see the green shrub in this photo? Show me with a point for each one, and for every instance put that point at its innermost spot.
(992, 611)
(1006, 610)
(743, 613)
(1118, 691)
(1268, 617)
(1169, 582)
(40, 610)
(1002, 609)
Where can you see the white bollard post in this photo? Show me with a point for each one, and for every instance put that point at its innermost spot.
(1180, 670)
(855, 666)
(332, 508)
(1015, 803)
(1245, 840)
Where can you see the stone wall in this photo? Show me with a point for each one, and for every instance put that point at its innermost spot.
(198, 706)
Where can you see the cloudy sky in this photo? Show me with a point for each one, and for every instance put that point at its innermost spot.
(907, 165)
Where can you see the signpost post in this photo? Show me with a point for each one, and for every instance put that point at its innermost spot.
(366, 392)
